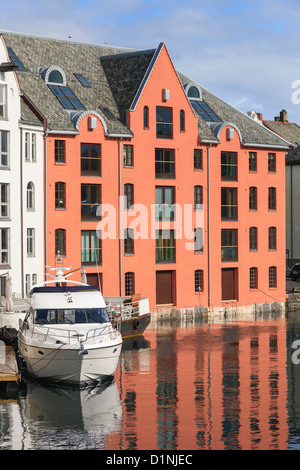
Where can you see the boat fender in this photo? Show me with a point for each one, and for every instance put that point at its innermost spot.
(136, 324)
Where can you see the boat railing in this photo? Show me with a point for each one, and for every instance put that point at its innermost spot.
(69, 336)
(119, 308)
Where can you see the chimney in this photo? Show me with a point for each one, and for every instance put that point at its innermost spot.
(282, 117)
(260, 116)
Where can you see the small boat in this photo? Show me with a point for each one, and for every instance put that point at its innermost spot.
(130, 315)
(67, 336)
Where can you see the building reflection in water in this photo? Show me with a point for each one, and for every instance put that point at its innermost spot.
(212, 386)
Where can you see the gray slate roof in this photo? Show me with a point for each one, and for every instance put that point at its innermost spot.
(116, 75)
(293, 156)
(287, 130)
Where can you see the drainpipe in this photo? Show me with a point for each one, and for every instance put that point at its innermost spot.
(208, 223)
(120, 214)
(292, 228)
(45, 205)
(22, 214)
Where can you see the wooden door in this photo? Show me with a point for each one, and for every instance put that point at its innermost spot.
(229, 290)
(164, 290)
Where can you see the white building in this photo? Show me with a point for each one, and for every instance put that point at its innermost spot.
(21, 184)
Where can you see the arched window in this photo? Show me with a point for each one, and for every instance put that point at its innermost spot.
(30, 196)
(193, 92)
(55, 77)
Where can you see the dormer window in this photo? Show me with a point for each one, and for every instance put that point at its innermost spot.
(55, 78)
(193, 92)
(194, 95)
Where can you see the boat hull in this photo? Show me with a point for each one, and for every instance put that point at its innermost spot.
(69, 365)
(134, 326)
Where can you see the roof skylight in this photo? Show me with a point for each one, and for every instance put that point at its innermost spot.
(205, 111)
(66, 97)
(82, 80)
(15, 59)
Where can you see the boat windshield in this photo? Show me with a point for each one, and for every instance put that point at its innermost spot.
(71, 316)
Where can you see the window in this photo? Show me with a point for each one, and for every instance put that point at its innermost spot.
(198, 198)
(253, 238)
(91, 248)
(33, 147)
(199, 284)
(205, 111)
(5, 246)
(27, 284)
(91, 159)
(198, 162)
(4, 146)
(129, 241)
(229, 208)
(60, 195)
(30, 196)
(164, 122)
(4, 188)
(182, 120)
(165, 246)
(65, 96)
(164, 201)
(30, 242)
(193, 92)
(3, 100)
(55, 77)
(253, 198)
(146, 117)
(252, 161)
(60, 151)
(229, 245)
(253, 278)
(272, 238)
(129, 283)
(272, 276)
(198, 240)
(82, 80)
(27, 146)
(128, 195)
(164, 163)
(90, 201)
(229, 166)
(15, 59)
(272, 162)
(272, 199)
(128, 155)
(60, 242)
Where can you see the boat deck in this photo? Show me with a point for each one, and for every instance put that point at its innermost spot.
(8, 364)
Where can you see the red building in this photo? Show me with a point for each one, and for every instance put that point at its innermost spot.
(152, 183)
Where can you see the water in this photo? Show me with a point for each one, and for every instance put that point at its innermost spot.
(226, 385)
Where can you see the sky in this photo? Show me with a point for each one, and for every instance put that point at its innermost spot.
(246, 52)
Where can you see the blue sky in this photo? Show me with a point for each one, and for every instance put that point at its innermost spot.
(246, 52)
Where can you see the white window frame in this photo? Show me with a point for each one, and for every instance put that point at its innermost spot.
(4, 153)
(3, 101)
(5, 204)
(27, 146)
(33, 147)
(5, 250)
(30, 197)
(30, 242)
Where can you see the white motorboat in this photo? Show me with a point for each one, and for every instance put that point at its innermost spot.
(66, 335)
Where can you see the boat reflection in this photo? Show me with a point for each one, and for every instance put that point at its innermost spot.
(71, 418)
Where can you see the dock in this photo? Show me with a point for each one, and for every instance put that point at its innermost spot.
(8, 365)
